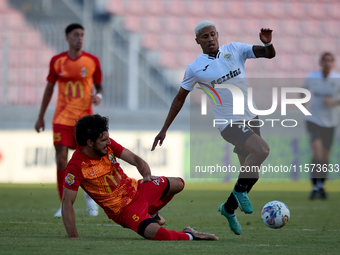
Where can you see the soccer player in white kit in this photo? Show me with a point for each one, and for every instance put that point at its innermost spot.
(225, 65)
(325, 91)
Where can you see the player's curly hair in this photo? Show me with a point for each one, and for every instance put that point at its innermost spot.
(90, 127)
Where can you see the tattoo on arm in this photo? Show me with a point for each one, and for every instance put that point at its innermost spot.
(175, 108)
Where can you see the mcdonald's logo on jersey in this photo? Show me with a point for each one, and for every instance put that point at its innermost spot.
(74, 89)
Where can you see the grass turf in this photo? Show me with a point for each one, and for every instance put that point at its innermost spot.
(27, 225)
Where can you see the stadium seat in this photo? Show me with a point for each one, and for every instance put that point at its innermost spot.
(333, 10)
(116, 7)
(316, 10)
(217, 9)
(195, 8)
(311, 28)
(132, 23)
(296, 10)
(150, 41)
(255, 10)
(290, 27)
(154, 7)
(275, 10)
(134, 7)
(176, 8)
(172, 24)
(331, 28)
(152, 24)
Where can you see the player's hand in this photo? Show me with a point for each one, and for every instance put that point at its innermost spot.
(266, 35)
(329, 102)
(95, 99)
(40, 125)
(149, 178)
(160, 137)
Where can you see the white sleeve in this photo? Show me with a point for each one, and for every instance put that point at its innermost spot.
(245, 50)
(189, 80)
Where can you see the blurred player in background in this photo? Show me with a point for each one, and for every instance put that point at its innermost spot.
(325, 97)
(225, 64)
(75, 71)
(132, 204)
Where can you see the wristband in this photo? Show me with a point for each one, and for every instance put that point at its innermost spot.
(100, 96)
(267, 44)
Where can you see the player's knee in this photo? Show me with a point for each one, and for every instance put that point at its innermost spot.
(263, 152)
(147, 229)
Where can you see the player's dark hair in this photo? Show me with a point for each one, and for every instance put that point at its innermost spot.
(90, 127)
(325, 54)
(72, 27)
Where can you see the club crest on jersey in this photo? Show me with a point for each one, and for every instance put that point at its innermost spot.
(228, 56)
(83, 72)
(69, 179)
(112, 158)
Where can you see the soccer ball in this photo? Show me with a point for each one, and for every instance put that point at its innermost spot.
(275, 214)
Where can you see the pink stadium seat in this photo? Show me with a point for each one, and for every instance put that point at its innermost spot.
(28, 58)
(216, 9)
(190, 24)
(154, 7)
(275, 10)
(168, 59)
(172, 25)
(235, 9)
(230, 26)
(290, 27)
(255, 9)
(316, 10)
(15, 21)
(14, 58)
(176, 8)
(168, 42)
(333, 10)
(152, 24)
(286, 45)
(296, 10)
(150, 41)
(251, 26)
(307, 45)
(134, 7)
(116, 7)
(32, 39)
(195, 8)
(311, 28)
(133, 23)
(331, 28)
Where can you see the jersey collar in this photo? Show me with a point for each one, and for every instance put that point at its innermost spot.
(210, 57)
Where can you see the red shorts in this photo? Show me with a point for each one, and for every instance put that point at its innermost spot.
(64, 135)
(148, 197)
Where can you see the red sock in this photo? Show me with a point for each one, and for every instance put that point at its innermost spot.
(60, 182)
(170, 235)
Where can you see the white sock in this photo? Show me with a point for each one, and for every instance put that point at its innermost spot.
(190, 236)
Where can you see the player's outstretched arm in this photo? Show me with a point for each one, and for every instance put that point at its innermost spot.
(176, 106)
(69, 196)
(268, 50)
(40, 124)
(142, 166)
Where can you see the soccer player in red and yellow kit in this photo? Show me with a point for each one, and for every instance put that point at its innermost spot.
(75, 71)
(132, 204)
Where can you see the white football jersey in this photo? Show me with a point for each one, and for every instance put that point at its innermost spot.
(320, 88)
(226, 68)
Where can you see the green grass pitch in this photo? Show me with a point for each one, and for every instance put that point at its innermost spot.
(27, 225)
